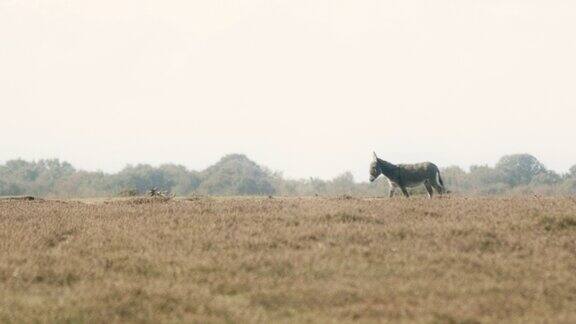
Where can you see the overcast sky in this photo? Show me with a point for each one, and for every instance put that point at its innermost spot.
(307, 87)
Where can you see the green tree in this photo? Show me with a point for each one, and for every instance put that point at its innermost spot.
(20, 171)
(85, 184)
(10, 189)
(235, 174)
(49, 174)
(183, 181)
(519, 169)
(572, 171)
(455, 178)
(547, 177)
(142, 177)
(342, 184)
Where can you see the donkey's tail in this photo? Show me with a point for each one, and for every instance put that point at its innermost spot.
(441, 182)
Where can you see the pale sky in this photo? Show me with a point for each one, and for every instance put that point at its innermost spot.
(309, 88)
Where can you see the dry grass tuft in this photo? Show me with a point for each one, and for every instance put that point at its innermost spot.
(558, 223)
(452, 260)
(140, 201)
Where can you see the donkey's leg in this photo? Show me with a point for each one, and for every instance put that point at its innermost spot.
(428, 188)
(404, 191)
(392, 190)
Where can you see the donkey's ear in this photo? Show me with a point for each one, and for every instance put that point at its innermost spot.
(374, 156)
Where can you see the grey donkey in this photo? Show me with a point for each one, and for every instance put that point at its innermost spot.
(408, 175)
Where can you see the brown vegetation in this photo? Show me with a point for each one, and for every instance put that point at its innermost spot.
(449, 260)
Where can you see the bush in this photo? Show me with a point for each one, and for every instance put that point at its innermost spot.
(129, 193)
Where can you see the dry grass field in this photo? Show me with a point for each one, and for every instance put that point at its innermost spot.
(448, 260)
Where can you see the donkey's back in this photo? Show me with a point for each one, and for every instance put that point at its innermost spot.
(415, 174)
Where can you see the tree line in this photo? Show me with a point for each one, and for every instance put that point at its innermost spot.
(235, 174)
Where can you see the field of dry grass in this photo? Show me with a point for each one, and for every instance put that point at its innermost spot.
(450, 260)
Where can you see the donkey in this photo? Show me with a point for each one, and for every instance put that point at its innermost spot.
(408, 175)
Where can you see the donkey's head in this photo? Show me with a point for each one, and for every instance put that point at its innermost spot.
(375, 169)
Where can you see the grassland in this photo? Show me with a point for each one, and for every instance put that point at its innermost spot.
(449, 260)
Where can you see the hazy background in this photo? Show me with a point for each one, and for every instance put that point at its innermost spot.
(306, 87)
